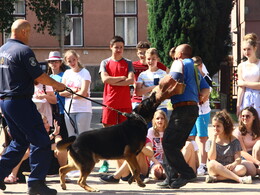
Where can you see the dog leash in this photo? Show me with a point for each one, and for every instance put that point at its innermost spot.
(122, 113)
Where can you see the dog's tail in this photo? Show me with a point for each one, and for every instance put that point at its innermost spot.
(65, 143)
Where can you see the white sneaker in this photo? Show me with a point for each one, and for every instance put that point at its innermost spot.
(202, 170)
(246, 180)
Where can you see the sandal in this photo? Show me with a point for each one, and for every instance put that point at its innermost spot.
(11, 179)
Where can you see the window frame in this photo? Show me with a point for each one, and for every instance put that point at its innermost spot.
(72, 15)
(126, 16)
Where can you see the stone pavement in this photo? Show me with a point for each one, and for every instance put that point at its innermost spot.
(197, 187)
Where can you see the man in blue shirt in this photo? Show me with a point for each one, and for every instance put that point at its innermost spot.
(183, 117)
(18, 70)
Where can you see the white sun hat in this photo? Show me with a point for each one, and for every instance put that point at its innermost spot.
(54, 55)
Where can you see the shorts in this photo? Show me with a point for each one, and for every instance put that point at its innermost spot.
(201, 126)
(111, 117)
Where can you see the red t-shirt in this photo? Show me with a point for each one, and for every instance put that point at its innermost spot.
(117, 96)
(139, 67)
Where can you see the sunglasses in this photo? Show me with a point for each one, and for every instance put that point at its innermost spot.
(246, 116)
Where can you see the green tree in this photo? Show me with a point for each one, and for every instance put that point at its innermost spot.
(46, 11)
(6, 17)
(203, 24)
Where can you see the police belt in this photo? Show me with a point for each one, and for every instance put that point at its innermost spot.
(16, 97)
(187, 103)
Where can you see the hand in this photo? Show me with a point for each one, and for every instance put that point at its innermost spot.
(56, 128)
(241, 83)
(230, 166)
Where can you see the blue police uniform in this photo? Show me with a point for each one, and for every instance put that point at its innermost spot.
(18, 69)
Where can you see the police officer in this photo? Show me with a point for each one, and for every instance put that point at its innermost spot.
(18, 70)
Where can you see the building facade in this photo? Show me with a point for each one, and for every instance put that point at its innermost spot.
(245, 18)
(92, 28)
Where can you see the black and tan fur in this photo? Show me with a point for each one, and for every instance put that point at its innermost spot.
(122, 141)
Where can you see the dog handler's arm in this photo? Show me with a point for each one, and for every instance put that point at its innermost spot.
(46, 80)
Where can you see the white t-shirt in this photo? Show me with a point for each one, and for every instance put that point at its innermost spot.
(147, 79)
(43, 106)
(74, 79)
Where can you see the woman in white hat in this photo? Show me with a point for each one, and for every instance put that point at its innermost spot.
(56, 69)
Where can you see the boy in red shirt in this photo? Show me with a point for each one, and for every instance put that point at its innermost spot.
(117, 74)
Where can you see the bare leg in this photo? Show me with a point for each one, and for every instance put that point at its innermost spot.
(190, 155)
(202, 152)
(222, 173)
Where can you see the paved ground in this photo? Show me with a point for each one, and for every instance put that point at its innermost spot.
(197, 187)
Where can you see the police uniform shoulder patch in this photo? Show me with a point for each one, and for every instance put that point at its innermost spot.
(32, 61)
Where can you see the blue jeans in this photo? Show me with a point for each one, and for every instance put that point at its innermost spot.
(181, 122)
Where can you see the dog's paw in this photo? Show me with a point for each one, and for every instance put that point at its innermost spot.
(130, 180)
(90, 189)
(63, 186)
(141, 184)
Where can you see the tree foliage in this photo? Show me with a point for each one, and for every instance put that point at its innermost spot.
(6, 17)
(46, 11)
(203, 24)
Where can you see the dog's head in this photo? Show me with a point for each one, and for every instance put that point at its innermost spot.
(147, 107)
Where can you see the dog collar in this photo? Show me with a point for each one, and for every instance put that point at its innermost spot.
(138, 116)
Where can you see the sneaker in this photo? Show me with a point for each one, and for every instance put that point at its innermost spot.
(246, 180)
(104, 167)
(2, 185)
(40, 188)
(126, 178)
(202, 170)
(210, 179)
(108, 179)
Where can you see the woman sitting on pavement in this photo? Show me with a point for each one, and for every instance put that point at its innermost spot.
(248, 133)
(224, 152)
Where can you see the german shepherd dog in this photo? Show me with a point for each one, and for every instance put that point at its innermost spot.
(122, 141)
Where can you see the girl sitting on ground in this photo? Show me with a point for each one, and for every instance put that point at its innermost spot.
(248, 133)
(155, 134)
(224, 152)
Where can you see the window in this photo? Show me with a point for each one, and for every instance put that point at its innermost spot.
(71, 9)
(126, 21)
(19, 13)
(19, 7)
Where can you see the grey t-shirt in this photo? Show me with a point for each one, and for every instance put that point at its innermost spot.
(226, 153)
